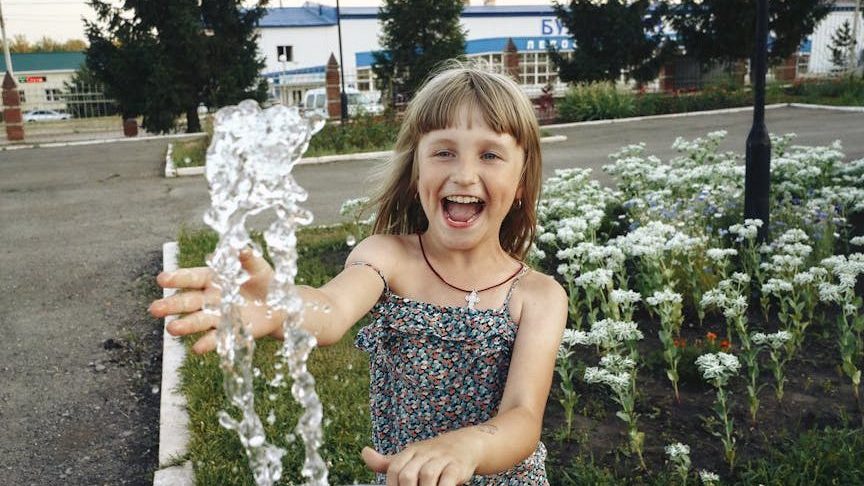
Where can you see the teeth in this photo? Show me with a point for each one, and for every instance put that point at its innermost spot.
(464, 199)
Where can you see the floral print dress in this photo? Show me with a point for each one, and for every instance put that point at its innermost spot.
(434, 369)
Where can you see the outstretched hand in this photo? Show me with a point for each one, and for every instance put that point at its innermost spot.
(197, 289)
(434, 462)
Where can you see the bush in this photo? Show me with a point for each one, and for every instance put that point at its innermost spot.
(596, 101)
(848, 90)
(364, 133)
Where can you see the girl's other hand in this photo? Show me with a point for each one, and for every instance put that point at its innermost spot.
(434, 462)
(197, 288)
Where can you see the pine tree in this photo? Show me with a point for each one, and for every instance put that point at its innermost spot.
(841, 41)
(612, 38)
(417, 35)
(162, 58)
(723, 31)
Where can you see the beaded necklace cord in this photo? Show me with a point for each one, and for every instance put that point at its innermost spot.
(472, 297)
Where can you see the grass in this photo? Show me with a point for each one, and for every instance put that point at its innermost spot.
(191, 153)
(341, 371)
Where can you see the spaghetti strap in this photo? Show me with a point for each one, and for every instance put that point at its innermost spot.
(522, 272)
(373, 267)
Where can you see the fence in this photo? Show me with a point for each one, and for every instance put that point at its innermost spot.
(79, 100)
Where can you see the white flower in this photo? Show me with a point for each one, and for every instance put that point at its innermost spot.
(618, 382)
(676, 450)
(573, 337)
(718, 367)
(620, 296)
(720, 254)
(776, 286)
(775, 340)
(608, 333)
(709, 478)
(598, 279)
(664, 296)
(617, 363)
(857, 241)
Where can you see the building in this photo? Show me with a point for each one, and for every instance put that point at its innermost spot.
(297, 42)
(41, 77)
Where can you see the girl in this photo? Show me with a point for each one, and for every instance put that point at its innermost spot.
(464, 335)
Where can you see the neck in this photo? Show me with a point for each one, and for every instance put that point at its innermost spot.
(477, 260)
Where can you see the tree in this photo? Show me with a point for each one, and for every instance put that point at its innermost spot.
(611, 39)
(197, 52)
(724, 30)
(841, 41)
(417, 35)
(21, 45)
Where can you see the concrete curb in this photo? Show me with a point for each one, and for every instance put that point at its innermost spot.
(856, 109)
(170, 170)
(173, 418)
(79, 143)
(721, 111)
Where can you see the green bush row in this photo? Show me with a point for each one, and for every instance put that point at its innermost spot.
(603, 101)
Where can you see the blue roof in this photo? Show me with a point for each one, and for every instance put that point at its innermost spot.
(315, 15)
(306, 70)
(44, 61)
(493, 45)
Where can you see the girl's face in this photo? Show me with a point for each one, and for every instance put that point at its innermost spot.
(469, 179)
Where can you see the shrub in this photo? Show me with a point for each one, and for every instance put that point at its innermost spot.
(596, 101)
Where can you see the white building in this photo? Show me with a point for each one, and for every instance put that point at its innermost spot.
(815, 54)
(297, 42)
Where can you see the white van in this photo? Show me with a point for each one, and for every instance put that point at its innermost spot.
(358, 102)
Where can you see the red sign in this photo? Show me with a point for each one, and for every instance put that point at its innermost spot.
(32, 79)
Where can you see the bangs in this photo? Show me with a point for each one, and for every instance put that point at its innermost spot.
(449, 96)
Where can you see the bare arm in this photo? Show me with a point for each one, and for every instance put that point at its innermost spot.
(329, 311)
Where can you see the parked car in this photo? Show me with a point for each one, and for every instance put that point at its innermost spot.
(45, 115)
(358, 102)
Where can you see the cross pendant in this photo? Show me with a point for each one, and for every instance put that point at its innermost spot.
(472, 299)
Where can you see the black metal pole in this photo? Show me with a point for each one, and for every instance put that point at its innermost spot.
(342, 95)
(757, 180)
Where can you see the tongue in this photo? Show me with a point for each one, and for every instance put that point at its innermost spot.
(462, 212)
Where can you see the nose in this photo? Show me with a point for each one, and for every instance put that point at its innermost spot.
(465, 171)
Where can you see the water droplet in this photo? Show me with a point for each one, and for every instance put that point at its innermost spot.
(256, 441)
(350, 241)
(271, 418)
(154, 389)
(327, 422)
(350, 366)
(256, 372)
(271, 396)
(290, 438)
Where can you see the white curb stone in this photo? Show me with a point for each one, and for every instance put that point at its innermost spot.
(611, 121)
(173, 418)
(170, 170)
(857, 109)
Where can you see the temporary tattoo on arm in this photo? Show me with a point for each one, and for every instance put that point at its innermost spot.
(487, 429)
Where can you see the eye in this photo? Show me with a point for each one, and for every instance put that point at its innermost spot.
(490, 156)
(443, 153)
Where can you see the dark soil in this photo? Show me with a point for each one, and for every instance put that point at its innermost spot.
(816, 395)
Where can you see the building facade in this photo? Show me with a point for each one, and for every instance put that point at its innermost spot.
(297, 42)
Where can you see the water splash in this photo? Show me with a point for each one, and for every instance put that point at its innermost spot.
(249, 165)
(350, 241)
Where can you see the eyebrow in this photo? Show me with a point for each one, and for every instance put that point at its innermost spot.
(486, 141)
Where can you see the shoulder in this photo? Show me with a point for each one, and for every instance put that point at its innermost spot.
(382, 251)
(542, 296)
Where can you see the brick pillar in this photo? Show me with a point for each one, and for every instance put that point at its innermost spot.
(334, 98)
(511, 60)
(12, 110)
(667, 77)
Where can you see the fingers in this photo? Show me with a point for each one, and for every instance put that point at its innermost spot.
(186, 278)
(450, 476)
(193, 323)
(374, 461)
(431, 471)
(206, 344)
(252, 263)
(397, 475)
(181, 303)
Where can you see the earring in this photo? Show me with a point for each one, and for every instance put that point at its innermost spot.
(518, 204)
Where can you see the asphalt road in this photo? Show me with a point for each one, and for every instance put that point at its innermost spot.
(81, 230)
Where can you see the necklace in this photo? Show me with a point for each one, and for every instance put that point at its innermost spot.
(472, 297)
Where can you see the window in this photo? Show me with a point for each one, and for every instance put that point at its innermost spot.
(365, 79)
(287, 51)
(53, 95)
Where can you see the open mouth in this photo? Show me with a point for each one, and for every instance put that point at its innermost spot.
(462, 210)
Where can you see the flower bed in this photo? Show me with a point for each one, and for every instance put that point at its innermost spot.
(773, 329)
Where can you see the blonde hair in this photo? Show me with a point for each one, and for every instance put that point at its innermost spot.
(437, 106)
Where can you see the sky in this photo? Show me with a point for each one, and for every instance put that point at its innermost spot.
(61, 19)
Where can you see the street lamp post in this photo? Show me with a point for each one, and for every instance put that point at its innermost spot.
(343, 97)
(6, 54)
(757, 179)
